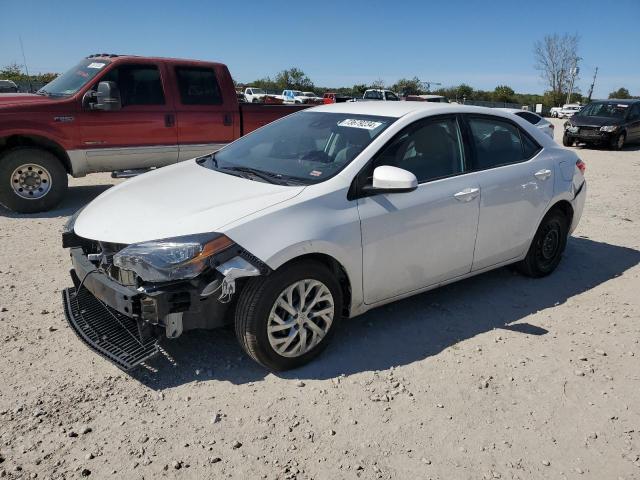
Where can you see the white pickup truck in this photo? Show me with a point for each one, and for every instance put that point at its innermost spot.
(254, 95)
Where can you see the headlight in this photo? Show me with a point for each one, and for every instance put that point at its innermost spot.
(609, 128)
(179, 258)
(68, 227)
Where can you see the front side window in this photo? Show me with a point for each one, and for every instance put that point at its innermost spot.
(198, 86)
(73, 80)
(498, 142)
(373, 95)
(430, 149)
(306, 147)
(392, 96)
(138, 84)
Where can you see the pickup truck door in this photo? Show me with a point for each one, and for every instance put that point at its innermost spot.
(142, 133)
(206, 117)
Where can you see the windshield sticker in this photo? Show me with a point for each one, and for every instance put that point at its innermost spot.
(96, 65)
(315, 173)
(355, 123)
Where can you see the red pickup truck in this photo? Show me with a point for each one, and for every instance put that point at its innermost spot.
(113, 112)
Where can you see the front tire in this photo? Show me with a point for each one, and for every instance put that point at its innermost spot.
(285, 320)
(567, 141)
(547, 246)
(31, 180)
(618, 142)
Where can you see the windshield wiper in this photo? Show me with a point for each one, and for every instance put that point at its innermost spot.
(266, 176)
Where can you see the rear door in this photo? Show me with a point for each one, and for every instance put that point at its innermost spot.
(142, 133)
(633, 127)
(204, 116)
(516, 182)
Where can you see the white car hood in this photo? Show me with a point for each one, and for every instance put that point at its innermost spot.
(181, 199)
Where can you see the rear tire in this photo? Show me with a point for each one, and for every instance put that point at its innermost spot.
(547, 246)
(272, 335)
(567, 141)
(31, 180)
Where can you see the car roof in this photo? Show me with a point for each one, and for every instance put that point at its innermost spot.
(402, 108)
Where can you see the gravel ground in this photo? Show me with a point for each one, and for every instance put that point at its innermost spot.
(498, 376)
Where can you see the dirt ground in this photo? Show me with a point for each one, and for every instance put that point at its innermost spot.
(498, 376)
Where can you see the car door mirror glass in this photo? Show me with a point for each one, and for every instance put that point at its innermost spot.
(107, 97)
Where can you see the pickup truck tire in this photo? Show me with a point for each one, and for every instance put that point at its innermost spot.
(271, 334)
(31, 180)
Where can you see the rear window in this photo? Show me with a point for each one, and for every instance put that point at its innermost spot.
(529, 117)
(198, 86)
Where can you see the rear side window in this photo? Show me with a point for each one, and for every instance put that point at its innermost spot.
(429, 149)
(499, 143)
(138, 84)
(529, 117)
(198, 86)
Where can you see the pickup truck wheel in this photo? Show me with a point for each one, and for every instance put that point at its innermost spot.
(548, 244)
(31, 180)
(286, 319)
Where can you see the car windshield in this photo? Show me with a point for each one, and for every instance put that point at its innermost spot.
(257, 91)
(611, 110)
(309, 94)
(73, 80)
(303, 148)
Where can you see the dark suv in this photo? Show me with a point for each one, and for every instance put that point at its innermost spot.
(612, 123)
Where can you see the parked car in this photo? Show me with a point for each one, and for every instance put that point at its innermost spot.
(8, 86)
(311, 98)
(427, 98)
(331, 97)
(323, 214)
(254, 95)
(569, 110)
(293, 96)
(378, 94)
(612, 123)
(553, 111)
(113, 112)
(533, 118)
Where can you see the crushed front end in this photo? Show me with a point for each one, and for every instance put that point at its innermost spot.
(123, 313)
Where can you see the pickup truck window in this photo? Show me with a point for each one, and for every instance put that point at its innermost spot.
(73, 80)
(138, 84)
(306, 147)
(198, 86)
(373, 95)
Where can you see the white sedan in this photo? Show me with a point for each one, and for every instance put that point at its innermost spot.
(533, 118)
(324, 214)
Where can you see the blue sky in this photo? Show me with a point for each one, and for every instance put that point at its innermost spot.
(337, 43)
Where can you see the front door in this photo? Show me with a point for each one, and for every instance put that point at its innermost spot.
(424, 237)
(142, 133)
(516, 180)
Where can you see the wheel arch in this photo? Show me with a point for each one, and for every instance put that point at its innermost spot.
(37, 141)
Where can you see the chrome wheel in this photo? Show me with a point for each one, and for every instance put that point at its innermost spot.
(300, 318)
(31, 181)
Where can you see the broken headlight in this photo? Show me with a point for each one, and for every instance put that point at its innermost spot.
(179, 258)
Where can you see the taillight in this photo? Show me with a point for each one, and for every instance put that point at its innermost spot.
(581, 166)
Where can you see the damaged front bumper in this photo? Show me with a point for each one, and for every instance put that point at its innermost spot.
(125, 323)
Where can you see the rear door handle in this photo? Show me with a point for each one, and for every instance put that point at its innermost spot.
(467, 194)
(542, 174)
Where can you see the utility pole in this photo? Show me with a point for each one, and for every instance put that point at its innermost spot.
(574, 72)
(592, 84)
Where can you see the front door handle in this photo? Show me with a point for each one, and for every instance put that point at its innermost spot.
(169, 120)
(467, 194)
(542, 174)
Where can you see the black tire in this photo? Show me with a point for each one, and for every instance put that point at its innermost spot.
(547, 246)
(254, 307)
(617, 143)
(567, 141)
(255, 100)
(56, 178)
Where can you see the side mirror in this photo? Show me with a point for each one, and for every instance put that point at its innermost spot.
(107, 97)
(388, 179)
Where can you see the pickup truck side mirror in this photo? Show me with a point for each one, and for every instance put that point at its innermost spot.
(107, 97)
(388, 179)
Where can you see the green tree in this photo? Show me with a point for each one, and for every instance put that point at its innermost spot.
(293, 78)
(620, 93)
(408, 86)
(358, 89)
(378, 84)
(464, 91)
(503, 93)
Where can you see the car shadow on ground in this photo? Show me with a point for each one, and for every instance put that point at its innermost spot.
(76, 197)
(406, 331)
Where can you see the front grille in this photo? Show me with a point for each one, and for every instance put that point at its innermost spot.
(113, 335)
